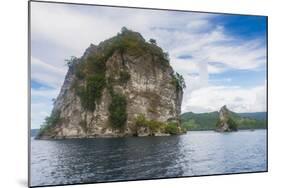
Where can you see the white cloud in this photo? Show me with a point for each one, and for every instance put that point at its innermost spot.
(39, 111)
(43, 92)
(72, 28)
(246, 55)
(238, 99)
(179, 33)
(216, 46)
(46, 74)
(66, 28)
(41, 104)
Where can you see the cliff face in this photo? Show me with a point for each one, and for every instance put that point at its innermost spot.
(111, 86)
(225, 122)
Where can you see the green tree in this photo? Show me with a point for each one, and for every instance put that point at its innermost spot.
(171, 128)
(141, 121)
(70, 62)
(153, 41)
(50, 121)
(178, 81)
(190, 124)
(124, 30)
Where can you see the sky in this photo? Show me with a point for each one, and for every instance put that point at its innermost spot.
(221, 57)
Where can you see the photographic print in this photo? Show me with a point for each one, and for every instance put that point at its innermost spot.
(121, 94)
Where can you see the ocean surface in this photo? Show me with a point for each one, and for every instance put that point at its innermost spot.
(110, 159)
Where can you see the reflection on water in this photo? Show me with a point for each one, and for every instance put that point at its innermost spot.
(111, 159)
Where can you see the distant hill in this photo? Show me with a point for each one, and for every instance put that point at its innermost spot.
(207, 121)
(255, 115)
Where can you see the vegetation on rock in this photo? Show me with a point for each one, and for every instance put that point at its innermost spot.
(157, 126)
(92, 69)
(124, 77)
(178, 81)
(72, 61)
(118, 111)
(92, 92)
(92, 72)
(153, 41)
(49, 122)
(133, 44)
(153, 125)
(172, 128)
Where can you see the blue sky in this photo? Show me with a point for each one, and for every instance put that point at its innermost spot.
(222, 57)
(245, 27)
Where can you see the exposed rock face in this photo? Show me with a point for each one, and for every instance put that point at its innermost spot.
(146, 82)
(225, 122)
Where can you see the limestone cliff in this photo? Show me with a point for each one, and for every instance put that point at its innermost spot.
(124, 86)
(225, 123)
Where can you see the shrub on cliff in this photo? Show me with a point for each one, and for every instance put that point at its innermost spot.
(92, 72)
(124, 77)
(92, 92)
(141, 121)
(153, 125)
(134, 44)
(72, 61)
(153, 41)
(118, 111)
(49, 122)
(178, 81)
(171, 128)
(157, 126)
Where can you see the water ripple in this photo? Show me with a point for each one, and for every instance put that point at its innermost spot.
(99, 160)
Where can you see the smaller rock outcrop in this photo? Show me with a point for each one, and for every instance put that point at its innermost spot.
(226, 122)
